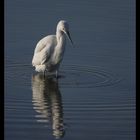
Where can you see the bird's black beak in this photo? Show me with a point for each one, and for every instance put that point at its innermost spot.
(68, 34)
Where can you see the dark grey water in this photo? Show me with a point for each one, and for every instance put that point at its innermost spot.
(95, 96)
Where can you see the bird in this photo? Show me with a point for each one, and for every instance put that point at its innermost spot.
(49, 51)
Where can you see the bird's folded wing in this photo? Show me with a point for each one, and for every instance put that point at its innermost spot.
(46, 54)
(42, 56)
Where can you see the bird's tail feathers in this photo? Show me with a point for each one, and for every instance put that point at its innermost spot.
(40, 68)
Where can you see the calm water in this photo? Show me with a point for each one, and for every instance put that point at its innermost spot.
(95, 96)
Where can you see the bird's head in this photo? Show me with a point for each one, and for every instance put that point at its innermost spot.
(64, 27)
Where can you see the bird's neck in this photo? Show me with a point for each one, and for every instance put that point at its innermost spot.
(61, 38)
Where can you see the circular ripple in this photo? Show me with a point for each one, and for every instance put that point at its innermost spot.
(86, 77)
(18, 73)
(71, 76)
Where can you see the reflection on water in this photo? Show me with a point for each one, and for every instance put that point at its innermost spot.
(47, 101)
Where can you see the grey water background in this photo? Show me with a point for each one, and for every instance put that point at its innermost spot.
(95, 96)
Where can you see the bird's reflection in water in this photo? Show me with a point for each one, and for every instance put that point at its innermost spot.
(48, 103)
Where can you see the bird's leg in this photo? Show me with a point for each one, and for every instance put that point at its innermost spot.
(44, 73)
(56, 73)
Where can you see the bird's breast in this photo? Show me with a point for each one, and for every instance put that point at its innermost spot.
(58, 54)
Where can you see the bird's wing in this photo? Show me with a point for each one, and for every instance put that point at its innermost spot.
(43, 50)
(46, 53)
(40, 45)
(42, 54)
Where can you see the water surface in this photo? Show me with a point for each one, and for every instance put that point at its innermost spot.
(94, 98)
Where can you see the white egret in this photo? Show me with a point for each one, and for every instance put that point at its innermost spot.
(49, 51)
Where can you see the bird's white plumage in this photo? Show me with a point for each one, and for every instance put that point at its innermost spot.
(49, 51)
(43, 50)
